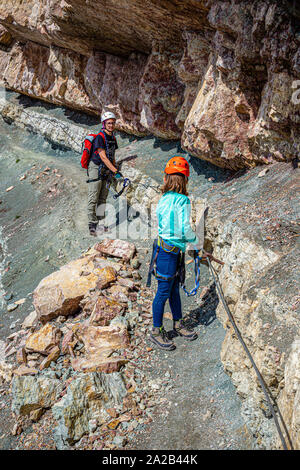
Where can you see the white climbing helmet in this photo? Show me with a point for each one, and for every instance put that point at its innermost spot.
(107, 115)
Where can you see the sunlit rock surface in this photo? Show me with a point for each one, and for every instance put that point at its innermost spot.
(220, 75)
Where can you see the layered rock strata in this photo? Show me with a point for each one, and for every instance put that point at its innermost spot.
(259, 282)
(222, 76)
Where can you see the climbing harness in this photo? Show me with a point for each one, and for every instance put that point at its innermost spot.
(158, 244)
(180, 272)
(126, 183)
(267, 392)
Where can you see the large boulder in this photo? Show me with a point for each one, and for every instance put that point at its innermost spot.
(60, 293)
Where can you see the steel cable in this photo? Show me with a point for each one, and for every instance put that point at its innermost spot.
(260, 378)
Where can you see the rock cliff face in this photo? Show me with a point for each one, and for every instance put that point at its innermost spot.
(221, 75)
(258, 281)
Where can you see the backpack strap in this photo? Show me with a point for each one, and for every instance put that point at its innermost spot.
(102, 133)
(180, 271)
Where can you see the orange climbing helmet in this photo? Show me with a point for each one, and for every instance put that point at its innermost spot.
(177, 164)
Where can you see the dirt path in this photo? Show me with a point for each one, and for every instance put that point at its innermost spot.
(202, 410)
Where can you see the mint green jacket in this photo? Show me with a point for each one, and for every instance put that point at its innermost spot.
(173, 213)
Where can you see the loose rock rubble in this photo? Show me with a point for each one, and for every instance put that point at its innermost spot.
(74, 364)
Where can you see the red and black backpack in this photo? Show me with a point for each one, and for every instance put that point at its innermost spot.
(87, 145)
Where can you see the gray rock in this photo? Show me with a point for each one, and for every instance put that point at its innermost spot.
(11, 307)
(122, 321)
(8, 297)
(125, 274)
(119, 441)
(31, 392)
(86, 399)
(50, 374)
(135, 263)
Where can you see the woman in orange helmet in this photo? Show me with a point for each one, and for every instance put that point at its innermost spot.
(174, 233)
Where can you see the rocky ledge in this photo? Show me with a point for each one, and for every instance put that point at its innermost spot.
(222, 76)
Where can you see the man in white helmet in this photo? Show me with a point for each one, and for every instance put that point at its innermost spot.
(102, 163)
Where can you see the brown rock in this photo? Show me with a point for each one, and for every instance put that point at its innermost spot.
(10, 351)
(125, 282)
(31, 320)
(17, 429)
(104, 311)
(43, 340)
(21, 356)
(98, 364)
(36, 414)
(60, 293)
(206, 137)
(113, 424)
(67, 339)
(161, 94)
(168, 315)
(33, 364)
(112, 412)
(118, 293)
(106, 277)
(128, 402)
(24, 370)
(118, 248)
(54, 354)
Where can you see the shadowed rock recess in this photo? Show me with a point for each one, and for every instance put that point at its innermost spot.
(220, 75)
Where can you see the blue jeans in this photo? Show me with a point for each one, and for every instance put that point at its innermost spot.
(166, 265)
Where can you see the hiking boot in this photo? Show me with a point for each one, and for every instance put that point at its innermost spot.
(183, 331)
(93, 228)
(159, 337)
